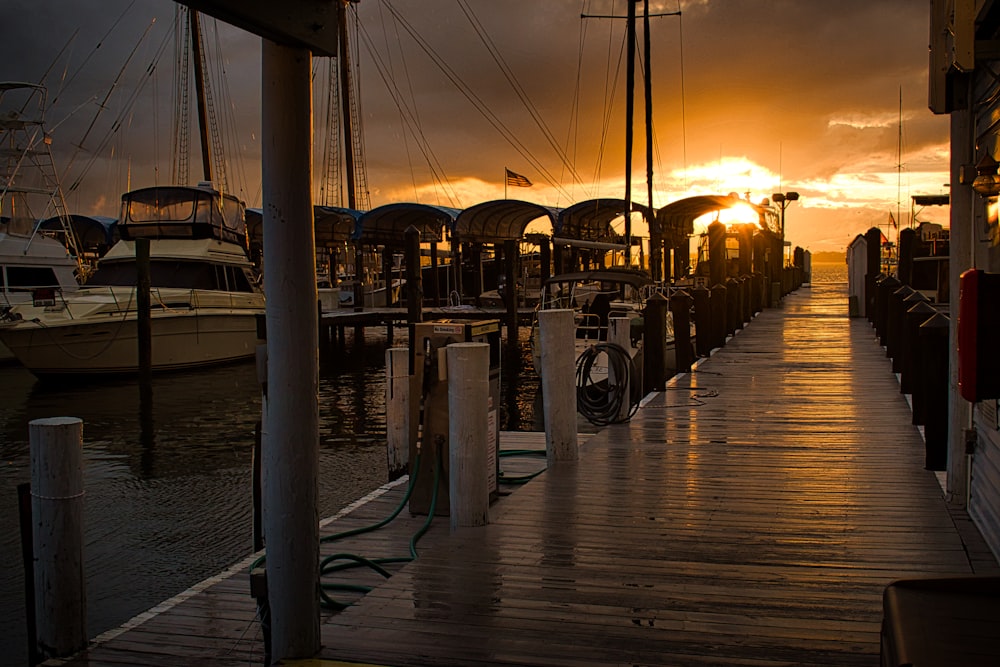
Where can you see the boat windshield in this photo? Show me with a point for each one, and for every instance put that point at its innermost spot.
(182, 212)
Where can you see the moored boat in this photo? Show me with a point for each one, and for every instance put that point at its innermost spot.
(596, 297)
(205, 300)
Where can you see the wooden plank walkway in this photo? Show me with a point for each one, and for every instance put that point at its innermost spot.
(752, 514)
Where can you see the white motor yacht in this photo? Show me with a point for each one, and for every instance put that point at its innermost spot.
(205, 299)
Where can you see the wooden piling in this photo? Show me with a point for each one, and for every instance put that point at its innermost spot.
(556, 329)
(654, 337)
(618, 334)
(680, 309)
(702, 320)
(57, 491)
(397, 411)
(934, 356)
(143, 322)
(468, 435)
(413, 287)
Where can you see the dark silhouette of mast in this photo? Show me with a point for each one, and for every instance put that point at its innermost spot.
(345, 95)
(629, 111)
(202, 100)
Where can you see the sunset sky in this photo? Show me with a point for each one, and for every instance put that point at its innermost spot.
(749, 96)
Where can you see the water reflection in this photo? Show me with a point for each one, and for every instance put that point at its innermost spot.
(168, 484)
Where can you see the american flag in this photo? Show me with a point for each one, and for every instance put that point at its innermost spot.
(517, 180)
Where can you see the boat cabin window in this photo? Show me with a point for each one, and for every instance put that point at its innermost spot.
(174, 273)
(26, 278)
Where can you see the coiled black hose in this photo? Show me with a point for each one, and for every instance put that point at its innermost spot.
(601, 401)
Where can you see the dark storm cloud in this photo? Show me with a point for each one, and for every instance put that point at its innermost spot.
(806, 88)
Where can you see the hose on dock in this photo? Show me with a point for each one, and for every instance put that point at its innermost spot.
(346, 561)
(602, 402)
(521, 479)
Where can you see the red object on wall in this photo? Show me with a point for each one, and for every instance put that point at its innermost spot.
(968, 310)
(979, 335)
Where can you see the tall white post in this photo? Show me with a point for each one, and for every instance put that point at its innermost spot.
(468, 367)
(397, 410)
(56, 446)
(619, 334)
(557, 330)
(290, 433)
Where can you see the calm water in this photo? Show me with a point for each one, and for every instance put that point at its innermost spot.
(167, 508)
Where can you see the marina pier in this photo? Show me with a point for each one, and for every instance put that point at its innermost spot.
(754, 512)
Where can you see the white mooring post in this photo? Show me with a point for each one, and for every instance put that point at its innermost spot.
(619, 334)
(468, 367)
(56, 446)
(290, 433)
(397, 410)
(556, 328)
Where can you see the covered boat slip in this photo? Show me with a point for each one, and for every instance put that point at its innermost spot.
(753, 513)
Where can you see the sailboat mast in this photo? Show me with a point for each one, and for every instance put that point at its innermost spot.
(345, 93)
(629, 112)
(655, 238)
(199, 86)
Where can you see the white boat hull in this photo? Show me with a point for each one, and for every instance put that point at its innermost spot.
(179, 341)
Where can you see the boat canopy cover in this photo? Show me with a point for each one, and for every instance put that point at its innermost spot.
(332, 225)
(94, 233)
(633, 277)
(387, 225)
(500, 220)
(677, 219)
(591, 220)
(175, 212)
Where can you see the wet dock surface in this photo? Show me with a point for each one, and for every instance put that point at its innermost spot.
(751, 514)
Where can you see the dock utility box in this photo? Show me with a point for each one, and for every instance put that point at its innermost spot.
(429, 405)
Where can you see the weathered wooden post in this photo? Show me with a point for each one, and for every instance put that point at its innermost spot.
(894, 323)
(556, 329)
(680, 308)
(511, 298)
(918, 313)
(883, 289)
(907, 240)
(934, 360)
(414, 287)
(619, 334)
(468, 408)
(873, 245)
(654, 343)
(56, 446)
(746, 310)
(397, 411)
(702, 320)
(718, 331)
(143, 320)
(717, 253)
(911, 299)
(732, 306)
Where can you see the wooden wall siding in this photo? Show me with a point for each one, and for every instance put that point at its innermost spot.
(751, 514)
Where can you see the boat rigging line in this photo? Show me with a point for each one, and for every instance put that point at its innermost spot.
(475, 100)
(508, 73)
(411, 119)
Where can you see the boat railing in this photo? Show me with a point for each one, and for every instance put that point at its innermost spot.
(590, 327)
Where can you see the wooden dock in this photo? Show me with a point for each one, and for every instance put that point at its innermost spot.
(751, 514)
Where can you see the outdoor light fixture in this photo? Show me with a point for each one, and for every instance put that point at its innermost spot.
(987, 181)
